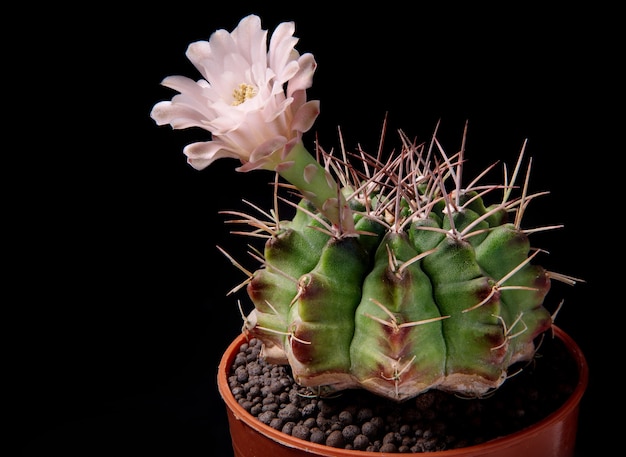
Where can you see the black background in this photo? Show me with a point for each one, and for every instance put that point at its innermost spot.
(119, 287)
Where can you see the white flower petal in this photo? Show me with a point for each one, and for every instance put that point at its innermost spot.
(251, 39)
(181, 84)
(199, 54)
(304, 79)
(179, 116)
(201, 155)
(282, 46)
(306, 115)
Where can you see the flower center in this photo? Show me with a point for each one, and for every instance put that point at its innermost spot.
(242, 93)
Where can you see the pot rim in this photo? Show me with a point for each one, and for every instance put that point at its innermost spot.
(492, 445)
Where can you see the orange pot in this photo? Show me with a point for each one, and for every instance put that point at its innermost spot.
(553, 436)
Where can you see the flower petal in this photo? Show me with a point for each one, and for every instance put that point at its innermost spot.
(281, 51)
(264, 155)
(306, 115)
(202, 154)
(304, 78)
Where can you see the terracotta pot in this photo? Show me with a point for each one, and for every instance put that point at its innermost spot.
(553, 436)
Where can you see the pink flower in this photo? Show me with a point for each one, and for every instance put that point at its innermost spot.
(253, 101)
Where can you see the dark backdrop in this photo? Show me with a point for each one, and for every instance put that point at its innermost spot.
(122, 315)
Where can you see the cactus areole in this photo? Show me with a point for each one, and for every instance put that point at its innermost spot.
(392, 276)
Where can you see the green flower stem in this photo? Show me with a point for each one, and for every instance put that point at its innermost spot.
(317, 185)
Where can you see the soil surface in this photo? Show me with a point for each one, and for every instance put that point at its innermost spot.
(432, 421)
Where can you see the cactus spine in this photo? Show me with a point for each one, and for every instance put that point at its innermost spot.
(427, 288)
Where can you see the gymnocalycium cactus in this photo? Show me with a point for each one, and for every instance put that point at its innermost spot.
(392, 275)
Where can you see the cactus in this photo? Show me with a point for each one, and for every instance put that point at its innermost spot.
(431, 288)
(391, 276)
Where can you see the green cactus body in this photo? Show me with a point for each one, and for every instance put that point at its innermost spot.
(322, 317)
(295, 250)
(397, 350)
(427, 288)
(504, 249)
(475, 339)
(425, 240)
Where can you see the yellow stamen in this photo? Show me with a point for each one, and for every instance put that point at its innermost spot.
(242, 93)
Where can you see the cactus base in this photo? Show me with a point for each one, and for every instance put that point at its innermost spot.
(553, 435)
